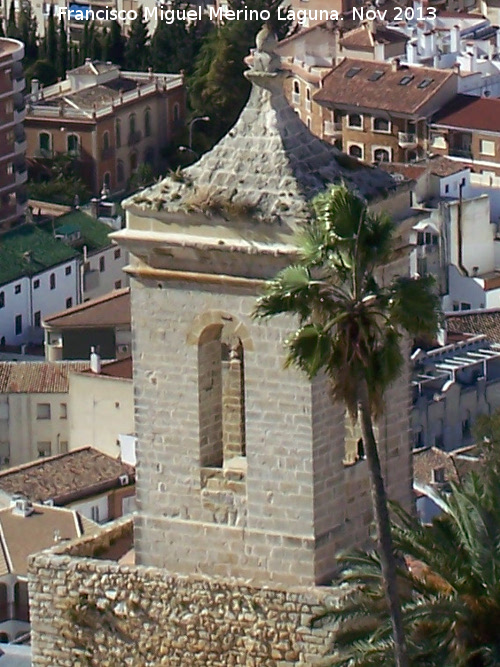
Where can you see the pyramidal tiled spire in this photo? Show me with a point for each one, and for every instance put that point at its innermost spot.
(269, 164)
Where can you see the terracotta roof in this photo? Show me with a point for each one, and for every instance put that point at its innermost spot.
(485, 322)
(443, 166)
(37, 377)
(349, 84)
(117, 369)
(428, 459)
(363, 38)
(409, 171)
(475, 113)
(22, 536)
(65, 477)
(438, 165)
(112, 309)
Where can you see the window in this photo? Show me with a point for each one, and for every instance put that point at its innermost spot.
(147, 123)
(94, 513)
(406, 80)
(44, 143)
(19, 325)
(487, 147)
(63, 412)
(118, 129)
(118, 284)
(102, 264)
(356, 151)
(107, 180)
(2, 299)
(63, 446)
(36, 284)
(149, 156)
(381, 155)
(133, 162)
(43, 410)
(425, 83)
(37, 319)
(72, 143)
(465, 306)
(177, 113)
(120, 172)
(351, 73)
(52, 281)
(296, 87)
(10, 168)
(17, 289)
(67, 270)
(105, 141)
(131, 122)
(381, 125)
(447, 189)
(69, 302)
(355, 120)
(377, 74)
(43, 448)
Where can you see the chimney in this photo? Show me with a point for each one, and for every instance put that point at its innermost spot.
(455, 39)
(35, 90)
(412, 52)
(21, 506)
(95, 361)
(395, 64)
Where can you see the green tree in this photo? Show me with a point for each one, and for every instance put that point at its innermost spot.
(451, 604)
(114, 45)
(44, 71)
(217, 87)
(351, 326)
(28, 32)
(95, 44)
(137, 49)
(62, 52)
(12, 29)
(50, 46)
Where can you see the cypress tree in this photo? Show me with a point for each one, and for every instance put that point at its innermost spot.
(12, 30)
(62, 54)
(136, 49)
(51, 37)
(115, 44)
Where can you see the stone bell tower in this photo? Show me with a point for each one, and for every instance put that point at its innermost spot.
(242, 466)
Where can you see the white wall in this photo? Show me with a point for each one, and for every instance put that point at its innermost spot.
(43, 299)
(97, 504)
(95, 282)
(100, 409)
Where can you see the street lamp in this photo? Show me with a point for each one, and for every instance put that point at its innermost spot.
(195, 120)
(185, 149)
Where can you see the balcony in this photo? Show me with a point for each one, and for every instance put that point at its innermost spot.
(134, 138)
(464, 153)
(18, 85)
(21, 174)
(20, 143)
(19, 115)
(407, 139)
(331, 129)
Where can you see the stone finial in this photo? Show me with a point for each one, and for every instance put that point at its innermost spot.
(264, 57)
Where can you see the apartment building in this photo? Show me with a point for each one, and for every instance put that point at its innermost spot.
(468, 129)
(379, 111)
(109, 121)
(13, 174)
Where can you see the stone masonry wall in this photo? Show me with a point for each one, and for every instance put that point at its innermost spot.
(87, 612)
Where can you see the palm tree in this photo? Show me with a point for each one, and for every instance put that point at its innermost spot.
(451, 605)
(351, 326)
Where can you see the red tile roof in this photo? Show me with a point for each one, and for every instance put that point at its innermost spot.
(386, 93)
(364, 38)
(474, 113)
(37, 377)
(66, 477)
(112, 309)
(118, 369)
(485, 322)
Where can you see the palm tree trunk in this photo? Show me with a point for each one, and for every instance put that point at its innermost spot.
(382, 521)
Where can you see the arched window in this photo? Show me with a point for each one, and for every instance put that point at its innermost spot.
(133, 162)
(356, 151)
(107, 180)
(73, 144)
(221, 389)
(381, 155)
(296, 88)
(177, 113)
(118, 130)
(105, 141)
(52, 281)
(149, 156)
(147, 123)
(131, 123)
(120, 171)
(45, 144)
(381, 125)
